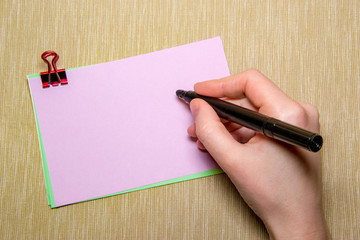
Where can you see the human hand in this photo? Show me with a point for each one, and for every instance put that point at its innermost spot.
(280, 183)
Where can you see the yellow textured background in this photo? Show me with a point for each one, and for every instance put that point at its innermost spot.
(308, 48)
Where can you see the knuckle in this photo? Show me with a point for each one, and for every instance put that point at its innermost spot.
(295, 115)
(303, 115)
(255, 76)
(204, 130)
(252, 71)
(313, 111)
(313, 116)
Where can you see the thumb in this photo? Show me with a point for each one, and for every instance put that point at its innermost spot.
(212, 133)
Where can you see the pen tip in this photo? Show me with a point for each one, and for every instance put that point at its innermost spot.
(180, 93)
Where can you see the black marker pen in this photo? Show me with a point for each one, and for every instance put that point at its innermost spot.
(268, 126)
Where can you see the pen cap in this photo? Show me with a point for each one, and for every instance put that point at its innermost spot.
(291, 134)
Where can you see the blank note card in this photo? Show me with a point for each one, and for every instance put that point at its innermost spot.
(119, 127)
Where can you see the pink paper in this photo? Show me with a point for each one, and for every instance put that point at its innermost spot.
(119, 125)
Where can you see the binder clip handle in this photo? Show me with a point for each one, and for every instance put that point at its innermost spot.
(54, 60)
(59, 79)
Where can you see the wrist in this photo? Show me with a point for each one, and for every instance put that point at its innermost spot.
(310, 224)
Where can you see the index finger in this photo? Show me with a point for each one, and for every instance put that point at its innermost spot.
(251, 84)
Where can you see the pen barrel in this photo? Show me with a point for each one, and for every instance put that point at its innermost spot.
(291, 134)
(229, 111)
(261, 123)
(237, 114)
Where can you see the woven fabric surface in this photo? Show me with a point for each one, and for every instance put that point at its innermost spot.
(310, 49)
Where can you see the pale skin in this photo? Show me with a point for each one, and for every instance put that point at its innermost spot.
(280, 183)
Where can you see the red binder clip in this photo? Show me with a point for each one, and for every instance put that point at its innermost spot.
(52, 77)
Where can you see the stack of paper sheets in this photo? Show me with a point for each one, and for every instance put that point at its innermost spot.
(118, 126)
